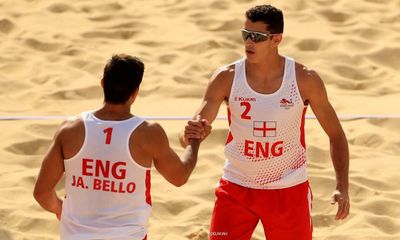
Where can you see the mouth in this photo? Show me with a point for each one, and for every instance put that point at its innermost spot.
(248, 51)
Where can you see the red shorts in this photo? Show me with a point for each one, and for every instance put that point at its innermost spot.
(284, 213)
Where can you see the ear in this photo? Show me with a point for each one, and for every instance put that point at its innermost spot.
(102, 83)
(134, 95)
(277, 39)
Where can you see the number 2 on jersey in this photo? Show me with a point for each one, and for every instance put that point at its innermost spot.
(108, 132)
(247, 107)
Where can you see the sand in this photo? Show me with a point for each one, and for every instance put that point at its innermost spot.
(53, 52)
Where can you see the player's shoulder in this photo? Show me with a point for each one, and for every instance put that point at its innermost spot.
(307, 76)
(150, 130)
(149, 135)
(226, 69)
(71, 123)
(224, 73)
(309, 82)
(70, 127)
(305, 72)
(151, 126)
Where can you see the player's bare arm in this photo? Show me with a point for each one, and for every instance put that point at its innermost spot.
(51, 171)
(218, 90)
(174, 169)
(314, 93)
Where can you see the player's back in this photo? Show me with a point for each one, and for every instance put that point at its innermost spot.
(107, 191)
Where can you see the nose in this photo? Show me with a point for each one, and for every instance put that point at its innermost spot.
(249, 42)
(248, 38)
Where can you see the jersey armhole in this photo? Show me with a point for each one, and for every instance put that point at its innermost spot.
(141, 121)
(235, 75)
(305, 103)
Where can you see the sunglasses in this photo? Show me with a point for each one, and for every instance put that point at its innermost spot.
(256, 36)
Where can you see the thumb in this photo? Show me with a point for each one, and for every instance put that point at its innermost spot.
(333, 200)
(205, 122)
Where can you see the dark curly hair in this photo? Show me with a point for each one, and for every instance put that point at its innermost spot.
(269, 15)
(122, 76)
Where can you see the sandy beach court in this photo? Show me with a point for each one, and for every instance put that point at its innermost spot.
(53, 52)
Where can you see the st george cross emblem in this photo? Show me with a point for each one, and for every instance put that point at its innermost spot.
(264, 129)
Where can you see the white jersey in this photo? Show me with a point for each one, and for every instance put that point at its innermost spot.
(265, 148)
(107, 192)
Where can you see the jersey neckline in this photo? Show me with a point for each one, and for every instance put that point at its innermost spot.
(91, 113)
(286, 64)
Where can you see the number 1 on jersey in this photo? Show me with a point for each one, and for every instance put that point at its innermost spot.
(108, 132)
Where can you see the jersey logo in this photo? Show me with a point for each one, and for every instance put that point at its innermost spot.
(286, 103)
(264, 129)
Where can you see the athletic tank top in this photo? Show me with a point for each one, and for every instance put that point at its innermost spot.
(265, 148)
(107, 192)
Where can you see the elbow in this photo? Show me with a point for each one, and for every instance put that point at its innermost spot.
(180, 182)
(39, 195)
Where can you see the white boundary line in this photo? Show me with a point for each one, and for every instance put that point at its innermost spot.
(341, 117)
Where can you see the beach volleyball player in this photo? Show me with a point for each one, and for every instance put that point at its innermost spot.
(265, 176)
(106, 155)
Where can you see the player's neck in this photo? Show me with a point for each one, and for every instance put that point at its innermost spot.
(114, 112)
(269, 66)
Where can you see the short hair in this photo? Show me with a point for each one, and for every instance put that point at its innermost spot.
(121, 77)
(269, 15)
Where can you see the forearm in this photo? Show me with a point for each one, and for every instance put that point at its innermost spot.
(340, 159)
(189, 158)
